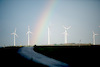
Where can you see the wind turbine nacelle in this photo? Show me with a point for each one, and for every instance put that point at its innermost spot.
(29, 32)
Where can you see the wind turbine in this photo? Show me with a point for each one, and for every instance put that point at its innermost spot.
(48, 36)
(28, 35)
(94, 34)
(66, 33)
(14, 36)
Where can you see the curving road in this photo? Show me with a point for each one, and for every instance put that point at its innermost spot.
(30, 54)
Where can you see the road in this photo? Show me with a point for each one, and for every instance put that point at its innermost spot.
(30, 54)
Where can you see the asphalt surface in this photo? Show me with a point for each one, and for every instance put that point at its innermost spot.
(30, 54)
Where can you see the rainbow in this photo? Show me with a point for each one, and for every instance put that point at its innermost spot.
(43, 21)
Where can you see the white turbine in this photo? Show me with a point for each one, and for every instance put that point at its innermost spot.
(94, 38)
(28, 35)
(66, 33)
(48, 36)
(14, 36)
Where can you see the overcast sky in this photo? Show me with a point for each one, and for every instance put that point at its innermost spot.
(82, 15)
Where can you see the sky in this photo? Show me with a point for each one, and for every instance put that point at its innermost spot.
(82, 15)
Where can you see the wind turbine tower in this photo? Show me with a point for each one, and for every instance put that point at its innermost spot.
(48, 36)
(28, 33)
(66, 33)
(14, 36)
(94, 34)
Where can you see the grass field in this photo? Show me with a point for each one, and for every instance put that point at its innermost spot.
(75, 56)
(9, 57)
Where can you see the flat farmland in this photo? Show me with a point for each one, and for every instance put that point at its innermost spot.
(9, 56)
(75, 56)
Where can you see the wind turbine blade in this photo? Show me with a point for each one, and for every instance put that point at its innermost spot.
(69, 27)
(96, 34)
(64, 27)
(30, 32)
(26, 33)
(93, 32)
(16, 35)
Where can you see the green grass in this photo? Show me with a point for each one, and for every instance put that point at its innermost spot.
(9, 57)
(75, 56)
